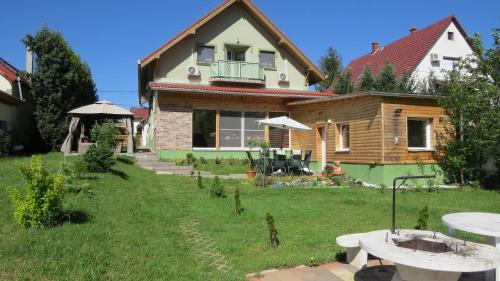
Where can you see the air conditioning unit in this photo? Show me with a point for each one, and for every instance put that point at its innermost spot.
(283, 77)
(193, 70)
(435, 57)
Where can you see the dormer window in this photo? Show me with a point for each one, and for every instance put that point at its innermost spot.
(267, 59)
(205, 54)
(451, 35)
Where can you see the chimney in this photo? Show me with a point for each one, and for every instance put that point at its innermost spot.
(413, 29)
(374, 47)
(29, 61)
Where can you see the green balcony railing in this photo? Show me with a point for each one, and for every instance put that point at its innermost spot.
(237, 70)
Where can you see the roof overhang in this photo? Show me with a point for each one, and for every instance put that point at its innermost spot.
(8, 99)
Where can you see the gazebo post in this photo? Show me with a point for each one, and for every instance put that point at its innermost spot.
(130, 142)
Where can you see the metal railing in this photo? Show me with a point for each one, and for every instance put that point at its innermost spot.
(238, 70)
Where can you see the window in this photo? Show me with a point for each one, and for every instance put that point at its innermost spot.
(205, 54)
(451, 35)
(277, 137)
(449, 63)
(236, 55)
(237, 128)
(419, 134)
(344, 138)
(267, 60)
(3, 125)
(204, 128)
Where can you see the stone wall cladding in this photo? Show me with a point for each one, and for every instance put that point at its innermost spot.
(174, 126)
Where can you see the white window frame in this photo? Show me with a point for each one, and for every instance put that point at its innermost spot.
(428, 122)
(242, 132)
(341, 147)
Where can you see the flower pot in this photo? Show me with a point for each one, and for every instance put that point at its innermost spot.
(251, 174)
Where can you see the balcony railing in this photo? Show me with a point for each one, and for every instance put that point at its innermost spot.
(237, 71)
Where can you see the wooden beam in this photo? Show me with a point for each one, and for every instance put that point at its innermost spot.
(267, 128)
(217, 129)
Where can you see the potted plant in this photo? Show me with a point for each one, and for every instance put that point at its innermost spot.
(252, 143)
(327, 171)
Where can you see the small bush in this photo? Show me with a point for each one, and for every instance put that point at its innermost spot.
(195, 165)
(5, 143)
(423, 216)
(189, 158)
(217, 189)
(99, 156)
(237, 202)
(41, 202)
(199, 181)
(217, 160)
(273, 233)
(203, 160)
(245, 161)
(338, 181)
(261, 179)
(79, 167)
(231, 161)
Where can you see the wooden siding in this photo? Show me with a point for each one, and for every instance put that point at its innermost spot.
(396, 126)
(363, 114)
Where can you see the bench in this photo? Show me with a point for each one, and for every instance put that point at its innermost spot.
(356, 256)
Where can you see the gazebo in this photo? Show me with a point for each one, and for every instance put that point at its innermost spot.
(99, 110)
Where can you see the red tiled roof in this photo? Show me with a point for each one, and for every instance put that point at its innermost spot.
(239, 90)
(406, 53)
(8, 70)
(140, 112)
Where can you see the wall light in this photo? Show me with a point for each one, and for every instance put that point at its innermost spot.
(398, 111)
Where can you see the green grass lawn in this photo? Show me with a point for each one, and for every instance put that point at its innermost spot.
(132, 231)
(226, 167)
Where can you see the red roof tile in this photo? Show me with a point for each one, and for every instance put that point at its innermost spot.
(406, 53)
(221, 89)
(140, 112)
(7, 70)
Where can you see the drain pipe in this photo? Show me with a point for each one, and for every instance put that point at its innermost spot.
(20, 88)
(394, 188)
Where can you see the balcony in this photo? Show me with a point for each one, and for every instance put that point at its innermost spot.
(237, 71)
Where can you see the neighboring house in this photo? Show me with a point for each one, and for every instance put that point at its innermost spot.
(140, 125)
(436, 48)
(207, 86)
(16, 107)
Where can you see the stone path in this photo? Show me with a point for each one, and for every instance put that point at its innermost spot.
(149, 161)
(206, 249)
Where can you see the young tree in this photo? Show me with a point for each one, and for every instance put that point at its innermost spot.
(366, 81)
(473, 106)
(60, 82)
(386, 80)
(343, 85)
(406, 84)
(331, 65)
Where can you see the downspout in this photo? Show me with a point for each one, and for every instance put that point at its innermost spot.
(20, 88)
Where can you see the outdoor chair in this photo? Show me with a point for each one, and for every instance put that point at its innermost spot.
(295, 164)
(280, 163)
(307, 160)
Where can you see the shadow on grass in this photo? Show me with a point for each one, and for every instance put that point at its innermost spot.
(75, 217)
(119, 174)
(125, 160)
(341, 256)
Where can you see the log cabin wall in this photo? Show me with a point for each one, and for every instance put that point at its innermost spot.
(363, 114)
(395, 126)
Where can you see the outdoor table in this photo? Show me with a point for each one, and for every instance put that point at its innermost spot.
(486, 224)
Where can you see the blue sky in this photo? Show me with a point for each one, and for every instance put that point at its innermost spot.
(112, 35)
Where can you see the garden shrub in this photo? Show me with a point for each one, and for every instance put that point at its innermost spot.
(231, 161)
(217, 189)
(203, 160)
(273, 233)
(237, 202)
(99, 156)
(423, 216)
(260, 179)
(5, 143)
(190, 158)
(41, 202)
(217, 160)
(200, 183)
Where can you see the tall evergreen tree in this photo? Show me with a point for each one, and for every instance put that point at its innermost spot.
(406, 84)
(60, 82)
(386, 80)
(331, 65)
(343, 85)
(366, 80)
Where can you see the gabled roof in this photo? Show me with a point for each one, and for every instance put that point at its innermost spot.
(406, 53)
(286, 93)
(140, 113)
(316, 74)
(8, 71)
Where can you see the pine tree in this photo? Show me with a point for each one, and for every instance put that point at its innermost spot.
(60, 83)
(344, 85)
(366, 80)
(406, 84)
(423, 216)
(200, 183)
(217, 189)
(273, 233)
(331, 65)
(386, 80)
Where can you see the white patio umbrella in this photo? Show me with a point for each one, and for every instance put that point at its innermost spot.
(284, 123)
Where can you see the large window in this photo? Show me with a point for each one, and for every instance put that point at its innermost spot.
(266, 60)
(236, 55)
(237, 128)
(450, 63)
(205, 54)
(204, 128)
(277, 137)
(419, 133)
(344, 138)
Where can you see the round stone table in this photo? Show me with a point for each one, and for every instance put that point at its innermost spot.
(417, 264)
(487, 224)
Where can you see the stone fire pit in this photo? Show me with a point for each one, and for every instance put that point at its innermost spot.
(428, 256)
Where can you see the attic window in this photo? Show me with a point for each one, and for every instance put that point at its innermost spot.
(451, 35)
(205, 54)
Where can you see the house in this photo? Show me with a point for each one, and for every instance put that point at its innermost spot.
(208, 85)
(140, 124)
(16, 107)
(435, 49)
